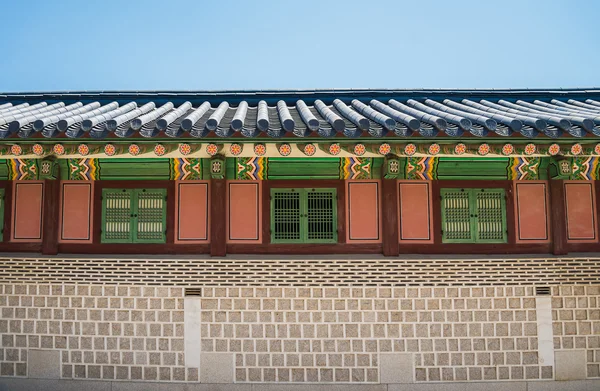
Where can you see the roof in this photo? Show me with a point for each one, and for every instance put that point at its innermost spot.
(351, 114)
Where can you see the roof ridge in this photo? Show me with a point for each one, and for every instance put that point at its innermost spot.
(307, 91)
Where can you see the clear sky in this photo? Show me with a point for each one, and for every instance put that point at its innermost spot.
(285, 44)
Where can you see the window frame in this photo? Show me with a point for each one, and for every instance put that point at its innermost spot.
(134, 246)
(304, 214)
(474, 212)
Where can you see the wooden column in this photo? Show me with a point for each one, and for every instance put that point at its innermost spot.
(218, 217)
(558, 217)
(8, 202)
(50, 217)
(389, 212)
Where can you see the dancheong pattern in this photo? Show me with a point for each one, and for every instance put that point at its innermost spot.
(585, 168)
(183, 169)
(251, 168)
(22, 169)
(524, 168)
(356, 168)
(84, 169)
(423, 168)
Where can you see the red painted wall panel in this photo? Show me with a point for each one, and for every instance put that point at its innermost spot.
(531, 212)
(363, 201)
(76, 211)
(580, 202)
(244, 212)
(192, 212)
(415, 217)
(27, 211)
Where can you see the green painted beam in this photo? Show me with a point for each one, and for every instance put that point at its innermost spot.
(134, 169)
(303, 168)
(472, 168)
(4, 170)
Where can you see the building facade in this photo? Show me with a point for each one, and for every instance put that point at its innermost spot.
(385, 239)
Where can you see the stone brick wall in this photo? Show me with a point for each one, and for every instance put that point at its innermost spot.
(131, 325)
(101, 332)
(337, 334)
(576, 323)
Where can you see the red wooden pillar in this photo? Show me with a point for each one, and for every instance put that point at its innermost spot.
(218, 217)
(389, 212)
(558, 217)
(50, 217)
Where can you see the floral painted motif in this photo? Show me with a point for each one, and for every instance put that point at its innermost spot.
(410, 149)
(434, 149)
(285, 149)
(16, 150)
(212, 149)
(310, 149)
(483, 149)
(385, 148)
(185, 149)
(507, 149)
(59, 149)
(360, 149)
(84, 150)
(597, 149)
(159, 150)
(110, 150)
(576, 149)
(260, 149)
(216, 166)
(460, 149)
(530, 149)
(134, 149)
(335, 149)
(554, 149)
(37, 149)
(235, 149)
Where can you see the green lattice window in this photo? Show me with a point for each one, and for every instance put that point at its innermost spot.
(474, 216)
(303, 216)
(134, 215)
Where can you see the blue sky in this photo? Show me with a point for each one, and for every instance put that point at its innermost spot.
(281, 44)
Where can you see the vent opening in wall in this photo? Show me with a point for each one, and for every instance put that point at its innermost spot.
(193, 292)
(542, 290)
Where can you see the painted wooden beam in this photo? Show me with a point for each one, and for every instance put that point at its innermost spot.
(218, 216)
(558, 217)
(389, 212)
(50, 217)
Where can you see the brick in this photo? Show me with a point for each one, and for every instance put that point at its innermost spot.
(475, 373)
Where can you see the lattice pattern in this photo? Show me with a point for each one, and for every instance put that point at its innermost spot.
(491, 215)
(303, 215)
(322, 217)
(303, 272)
(116, 215)
(456, 215)
(151, 214)
(285, 213)
(473, 215)
(133, 215)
